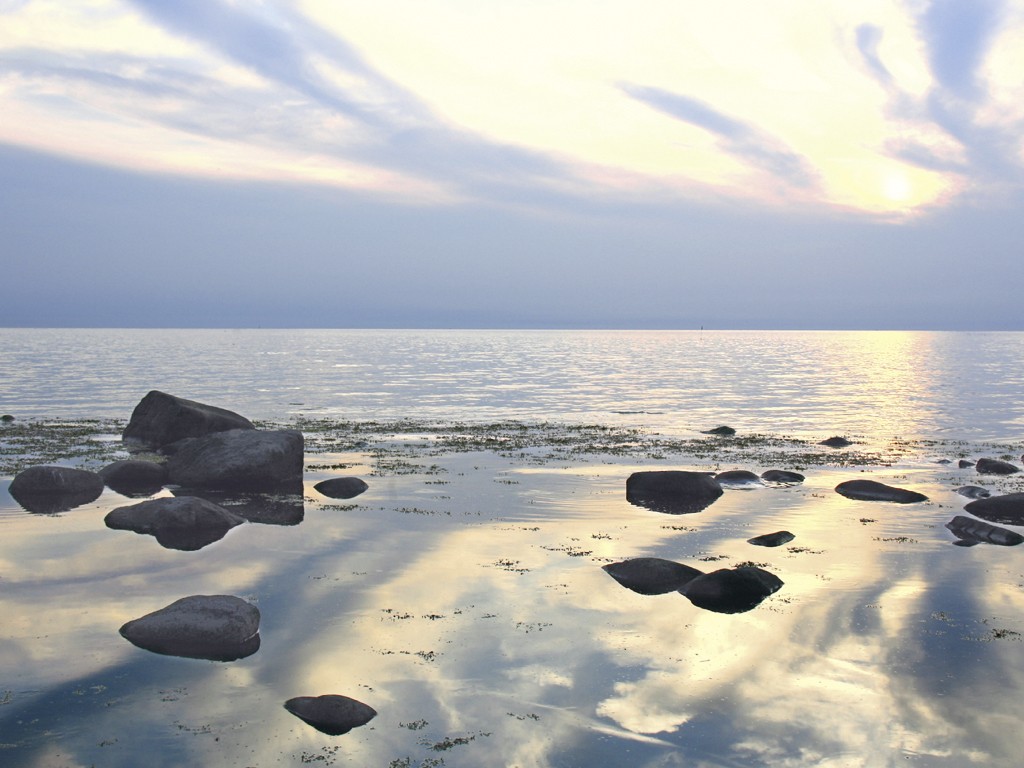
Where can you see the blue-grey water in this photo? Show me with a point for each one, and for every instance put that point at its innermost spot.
(463, 597)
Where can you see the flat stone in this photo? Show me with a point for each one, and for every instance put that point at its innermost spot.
(672, 491)
(974, 491)
(975, 531)
(331, 714)
(722, 431)
(214, 627)
(872, 490)
(776, 539)
(995, 467)
(50, 489)
(836, 442)
(651, 575)
(1008, 508)
(341, 487)
(782, 477)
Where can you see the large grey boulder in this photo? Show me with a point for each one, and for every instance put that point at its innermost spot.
(1008, 509)
(672, 491)
(239, 459)
(996, 467)
(214, 627)
(160, 419)
(185, 523)
(133, 477)
(331, 714)
(651, 575)
(732, 590)
(49, 489)
(872, 490)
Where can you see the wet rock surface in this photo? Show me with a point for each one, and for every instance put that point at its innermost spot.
(184, 523)
(331, 714)
(782, 477)
(872, 490)
(213, 627)
(776, 539)
(974, 491)
(1008, 509)
(672, 491)
(133, 477)
(50, 489)
(739, 478)
(341, 487)
(970, 531)
(160, 419)
(651, 575)
(732, 590)
(240, 460)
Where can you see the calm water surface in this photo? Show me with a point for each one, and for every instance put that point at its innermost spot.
(463, 597)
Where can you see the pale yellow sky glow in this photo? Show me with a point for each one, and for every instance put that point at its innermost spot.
(815, 105)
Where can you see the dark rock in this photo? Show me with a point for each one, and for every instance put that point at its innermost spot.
(160, 419)
(776, 539)
(177, 523)
(672, 491)
(341, 487)
(6, 418)
(738, 478)
(1008, 509)
(995, 467)
(943, 461)
(871, 490)
(651, 575)
(131, 477)
(731, 590)
(782, 477)
(263, 508)
(722, 431)
(49, 489)
(240, 459)
(975, 531)
(214, 627)
(836, 442)
(331, 714)
(964, 463)
(974, 492)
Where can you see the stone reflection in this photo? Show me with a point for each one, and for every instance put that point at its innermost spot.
(52, 489)
(286, 508)
(185, 523)
(674, 492)
(212, 627)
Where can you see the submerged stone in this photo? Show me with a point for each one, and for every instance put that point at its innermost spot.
(776, 539)
(651, 575)
(872, 490)
(331, 714)
(836, 442)
(974, 491)
(975, 531)
(214, 627)
(996, 467)
(341, 487)
(732, 590)
(739, 478)
(782, 477)
(49, 489)
(185, 523)
(160, 419)
(672, 491)
(965, 463)
(722, 431)
(1008, 509)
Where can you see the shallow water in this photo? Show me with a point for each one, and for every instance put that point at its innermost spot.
(462, 595)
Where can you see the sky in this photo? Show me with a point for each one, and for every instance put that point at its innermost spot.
(804, 164)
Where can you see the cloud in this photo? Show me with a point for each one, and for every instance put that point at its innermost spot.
(740, 139)
(868, 38)
(958, 33)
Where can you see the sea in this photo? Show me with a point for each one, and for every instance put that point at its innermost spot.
(465, 595)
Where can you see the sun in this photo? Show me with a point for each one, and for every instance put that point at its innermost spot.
(896, 187)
